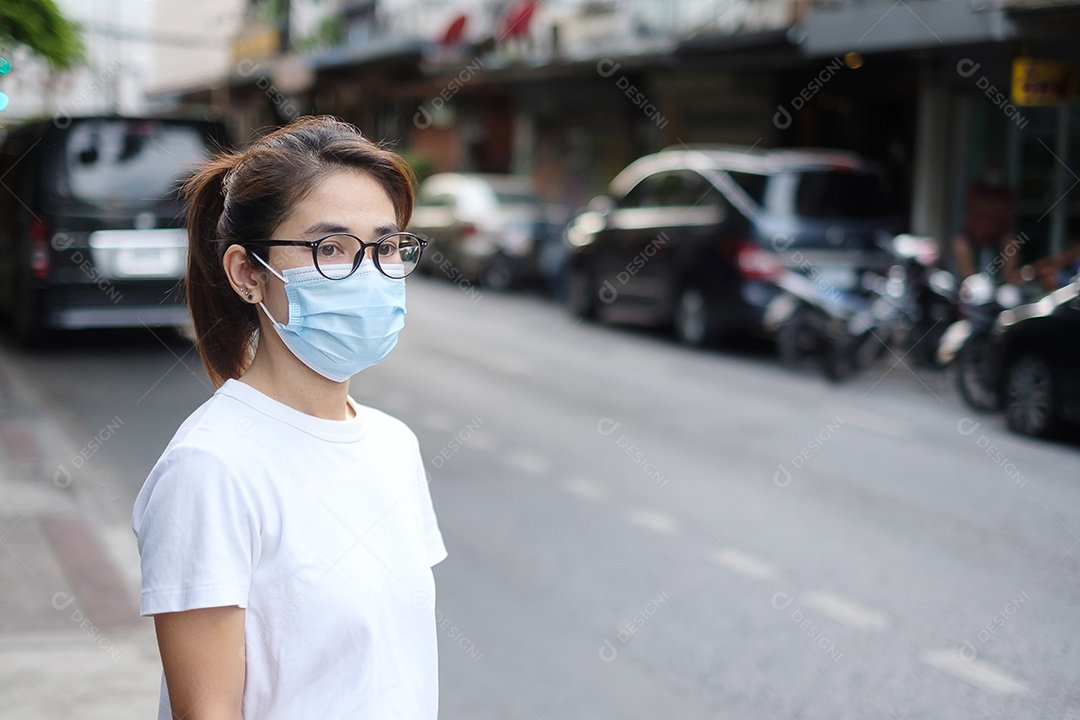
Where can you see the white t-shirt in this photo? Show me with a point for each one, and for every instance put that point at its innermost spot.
(324, 531)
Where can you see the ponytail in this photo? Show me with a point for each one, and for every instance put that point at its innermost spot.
(225, 326)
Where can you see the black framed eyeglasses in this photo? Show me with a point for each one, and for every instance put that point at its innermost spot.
(339, 255)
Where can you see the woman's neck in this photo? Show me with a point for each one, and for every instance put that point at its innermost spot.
(284, 378)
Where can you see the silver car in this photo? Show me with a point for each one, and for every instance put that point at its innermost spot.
(481, 228)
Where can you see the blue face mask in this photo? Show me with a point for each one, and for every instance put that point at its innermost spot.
(340, 327)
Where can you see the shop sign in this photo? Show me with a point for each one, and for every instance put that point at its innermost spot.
(1043, 82)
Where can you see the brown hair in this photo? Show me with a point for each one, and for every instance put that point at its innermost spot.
(244, 195)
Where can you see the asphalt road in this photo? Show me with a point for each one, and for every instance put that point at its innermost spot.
(638, 530)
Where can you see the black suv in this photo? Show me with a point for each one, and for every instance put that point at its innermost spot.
(91, 233)
(694, 237)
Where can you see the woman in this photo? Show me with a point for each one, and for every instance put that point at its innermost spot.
(286, 533)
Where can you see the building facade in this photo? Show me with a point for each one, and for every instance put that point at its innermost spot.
(569, 91)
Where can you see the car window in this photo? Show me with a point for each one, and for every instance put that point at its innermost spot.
(430, 199)
(753, 184)
(642, 194)
(829, 194)
(670, 189)
(127, 162)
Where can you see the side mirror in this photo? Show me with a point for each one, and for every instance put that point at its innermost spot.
(602, 204)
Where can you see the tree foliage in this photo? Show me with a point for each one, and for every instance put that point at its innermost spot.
(40, 27)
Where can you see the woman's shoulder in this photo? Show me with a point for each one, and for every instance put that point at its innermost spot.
(383, 425)
(200, 465)
(211, 431)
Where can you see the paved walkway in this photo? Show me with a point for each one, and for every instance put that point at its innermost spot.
(72, 644)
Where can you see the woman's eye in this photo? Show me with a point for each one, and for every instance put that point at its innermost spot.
(388, 250)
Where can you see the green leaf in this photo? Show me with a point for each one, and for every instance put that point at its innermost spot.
(40, 27)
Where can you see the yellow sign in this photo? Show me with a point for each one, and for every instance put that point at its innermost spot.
(255, 43)
(1043, 82)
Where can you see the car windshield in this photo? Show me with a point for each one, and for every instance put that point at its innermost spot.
(110, 163)
(841, 194)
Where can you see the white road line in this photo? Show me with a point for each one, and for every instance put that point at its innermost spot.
(846, 611)
(978, 673)
(873, 423)
(585, 489)
(526, 462)
(653, 521)
(742, 564)
(482, 441)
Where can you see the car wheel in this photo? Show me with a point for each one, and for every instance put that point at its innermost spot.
(496, 275)
(693, 321)
(581, 294)
(974, 375)
(1030, 401)
(801, 341)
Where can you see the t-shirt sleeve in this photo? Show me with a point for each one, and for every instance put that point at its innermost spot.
(198, 533)
(433, 541)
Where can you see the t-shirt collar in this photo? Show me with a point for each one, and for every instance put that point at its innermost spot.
(333, 430)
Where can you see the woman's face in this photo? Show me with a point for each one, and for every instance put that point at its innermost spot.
(344, 202)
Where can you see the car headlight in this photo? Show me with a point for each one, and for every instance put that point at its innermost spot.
(582, 231)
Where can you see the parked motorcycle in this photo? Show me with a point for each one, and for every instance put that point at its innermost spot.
(805, 316)
(907, 310)
(906, 307)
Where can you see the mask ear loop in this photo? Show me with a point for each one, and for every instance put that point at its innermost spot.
(276, 274)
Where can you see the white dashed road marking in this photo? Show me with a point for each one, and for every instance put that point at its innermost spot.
(526, 462)
(482, 441)
(653, 521)
(585, 489)
(846, 611)
(978, 673)
(743, 564)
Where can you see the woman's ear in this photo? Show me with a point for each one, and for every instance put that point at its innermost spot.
(247, 280)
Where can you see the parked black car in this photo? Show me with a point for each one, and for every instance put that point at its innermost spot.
(91, 228)
(1036, 362)
(694, 238)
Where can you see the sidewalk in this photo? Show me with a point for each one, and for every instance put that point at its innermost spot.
(72, 644)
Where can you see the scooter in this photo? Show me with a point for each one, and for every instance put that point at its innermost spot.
(910, 308)
(805, 317)
(906, 306)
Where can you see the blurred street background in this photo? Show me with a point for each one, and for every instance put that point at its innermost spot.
(745, 356)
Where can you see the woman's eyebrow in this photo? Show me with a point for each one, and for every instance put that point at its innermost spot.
(324, 227)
